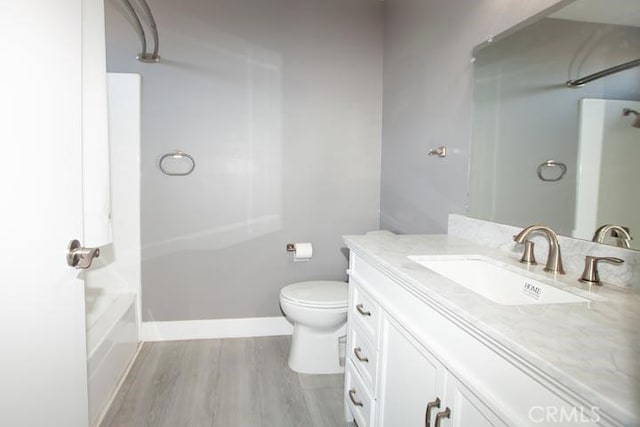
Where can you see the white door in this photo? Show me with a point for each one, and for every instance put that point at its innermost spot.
(43, 379)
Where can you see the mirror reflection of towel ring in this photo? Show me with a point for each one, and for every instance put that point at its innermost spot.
(551, 164)
(177, 154)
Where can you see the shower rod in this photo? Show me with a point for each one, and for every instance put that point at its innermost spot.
(600, 74)
(144, 56)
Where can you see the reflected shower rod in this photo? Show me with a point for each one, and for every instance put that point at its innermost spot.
(144, 56)
(600, 74)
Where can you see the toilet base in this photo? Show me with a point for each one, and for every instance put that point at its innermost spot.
(315, 352)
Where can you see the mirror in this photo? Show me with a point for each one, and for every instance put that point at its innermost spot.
(543, 152)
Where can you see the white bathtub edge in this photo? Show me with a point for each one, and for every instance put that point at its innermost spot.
(215, 328)
(102, 327)
(100, 417)
(110, 359)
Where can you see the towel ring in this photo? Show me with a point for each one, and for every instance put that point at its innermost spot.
(177, 154)
(552, 164)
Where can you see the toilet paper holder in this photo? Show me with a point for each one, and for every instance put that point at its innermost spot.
(300, 251)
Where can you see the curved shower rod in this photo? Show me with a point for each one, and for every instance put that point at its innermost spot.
(600, 74)
(144, 56)
(138, 24)
(154, 30)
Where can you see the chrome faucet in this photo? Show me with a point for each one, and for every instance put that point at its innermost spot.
(620, 233)
(554, 259)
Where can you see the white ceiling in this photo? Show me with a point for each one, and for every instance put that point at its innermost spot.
(620, 12)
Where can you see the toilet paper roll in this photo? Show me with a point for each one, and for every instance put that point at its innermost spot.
(303, 252)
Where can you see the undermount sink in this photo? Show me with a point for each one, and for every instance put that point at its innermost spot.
(496, 281)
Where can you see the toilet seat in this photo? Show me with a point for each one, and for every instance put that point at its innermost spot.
(317, 294)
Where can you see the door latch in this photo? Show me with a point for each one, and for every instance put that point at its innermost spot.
(80, 257)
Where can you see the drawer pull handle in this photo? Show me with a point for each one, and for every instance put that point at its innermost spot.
(440, 415)
(430, 406)
(352, 394)
(362, 311)
(359, 355)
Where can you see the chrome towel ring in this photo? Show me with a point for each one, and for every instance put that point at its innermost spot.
(177, 155)
(551, 164)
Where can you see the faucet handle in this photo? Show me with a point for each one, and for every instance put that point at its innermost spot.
(528, 256)
(590, 273)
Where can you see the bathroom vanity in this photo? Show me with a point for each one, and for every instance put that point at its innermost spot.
(423, 349)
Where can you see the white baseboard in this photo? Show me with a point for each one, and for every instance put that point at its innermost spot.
(215, 328)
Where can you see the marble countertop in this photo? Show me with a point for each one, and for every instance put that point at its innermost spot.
(592, 348)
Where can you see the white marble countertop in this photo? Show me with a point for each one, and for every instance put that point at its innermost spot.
(592, 348)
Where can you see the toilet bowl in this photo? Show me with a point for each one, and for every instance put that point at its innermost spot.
(318, 310)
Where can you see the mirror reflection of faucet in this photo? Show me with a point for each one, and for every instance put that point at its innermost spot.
(620, 233)
(554, 259)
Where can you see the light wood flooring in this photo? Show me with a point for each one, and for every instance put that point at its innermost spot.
(243, 382)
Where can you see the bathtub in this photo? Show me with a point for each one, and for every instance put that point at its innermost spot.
(112, 343)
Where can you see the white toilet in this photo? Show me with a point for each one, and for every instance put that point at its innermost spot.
(318, 310)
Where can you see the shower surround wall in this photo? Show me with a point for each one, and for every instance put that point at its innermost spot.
(279, 102)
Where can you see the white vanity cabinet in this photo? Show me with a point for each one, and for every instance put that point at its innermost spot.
(417, 390)
(404, 352)
(409, 379)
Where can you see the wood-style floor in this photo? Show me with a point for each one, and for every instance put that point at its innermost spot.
(243, 382)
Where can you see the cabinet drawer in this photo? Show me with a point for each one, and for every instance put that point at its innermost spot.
(365, 311)
(357, 397)
(364, 355)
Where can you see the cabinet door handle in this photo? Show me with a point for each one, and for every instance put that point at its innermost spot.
(430, 406)
(440, 415)
(359, 355)
(362, 311)
(352, 394)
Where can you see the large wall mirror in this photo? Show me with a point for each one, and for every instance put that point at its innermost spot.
(543, 152)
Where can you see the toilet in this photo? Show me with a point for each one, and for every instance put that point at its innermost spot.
(318, 310)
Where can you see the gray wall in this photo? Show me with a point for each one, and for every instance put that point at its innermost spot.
(427, 102)
(279, 102)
